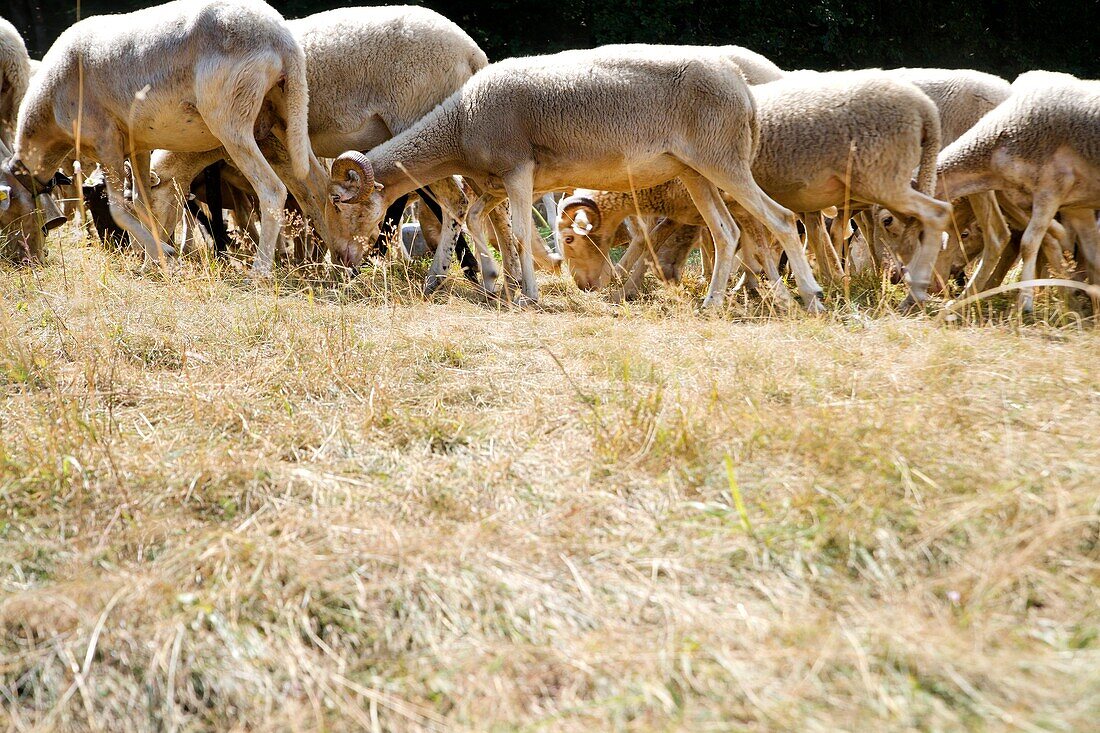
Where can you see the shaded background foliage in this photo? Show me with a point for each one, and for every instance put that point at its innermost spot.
(1004, 37)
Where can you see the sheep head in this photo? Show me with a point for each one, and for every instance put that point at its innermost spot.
(352, 183)
(578, 228)
(25, 217)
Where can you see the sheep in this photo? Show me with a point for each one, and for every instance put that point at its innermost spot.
(619, 119)
(962, 97)
(190, 75)
(25, 217)
(1044, 140)
(15, 75)
(589, 221)
(372, 73)
(837, 139)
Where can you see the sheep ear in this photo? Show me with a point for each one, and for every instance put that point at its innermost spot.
(378, 186)
(5, 197)
(154, 179)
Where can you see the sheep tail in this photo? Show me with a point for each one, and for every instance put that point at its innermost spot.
(296, 111)
(929, 149)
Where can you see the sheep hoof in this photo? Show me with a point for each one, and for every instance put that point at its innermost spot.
(816, 304)
(432, 283)
(712, 303)
(911, 305)
(623, 295)
(1026, 303)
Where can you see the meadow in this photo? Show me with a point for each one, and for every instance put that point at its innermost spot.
(323, 505)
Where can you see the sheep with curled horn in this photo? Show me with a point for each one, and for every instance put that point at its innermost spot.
(189, 75)
(615, 119)
(589, 222)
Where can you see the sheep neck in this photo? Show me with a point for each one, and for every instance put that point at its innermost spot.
(423, 154)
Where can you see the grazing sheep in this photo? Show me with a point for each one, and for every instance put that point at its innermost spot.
(962, 97)
(619, 119)
(372, 73)
(831, 139)
(25, 219)
(1044, 140)
(161, 78)
(589, 221)
(15, 75)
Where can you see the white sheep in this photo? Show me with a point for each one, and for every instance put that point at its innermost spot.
(616, 119)
(830, 140)
(15, 75)
(189, 75)
(372, 73)
(962, 97)
(1044, 140)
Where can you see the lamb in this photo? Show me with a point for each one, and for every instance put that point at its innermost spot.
(372, 73)
(837, 139)
(15, 75)
(149, 79)
(617, 119)
(1043, 140)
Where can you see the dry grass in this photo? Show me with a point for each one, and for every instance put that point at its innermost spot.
(343, 507)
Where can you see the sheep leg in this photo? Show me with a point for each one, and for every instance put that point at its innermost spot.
(550, 205)
(642, 250)
(704, 194)
(506, 244)
(1043, 208)
(270, 191)
(781, 223)
(817, 237)
(518, 184)
(865, 223)
(447, 197)
(476, 225)
(995, 234)
(444, 253)
(760, 263)
(111, 156)
(634, 250)
(706, 250)
(1083, 223)
(932, 216)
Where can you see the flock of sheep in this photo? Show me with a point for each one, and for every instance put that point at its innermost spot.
(950, 176)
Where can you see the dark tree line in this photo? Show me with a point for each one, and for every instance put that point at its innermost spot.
(1004, 37)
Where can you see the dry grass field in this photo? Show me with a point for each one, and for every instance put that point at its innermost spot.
(225, 506)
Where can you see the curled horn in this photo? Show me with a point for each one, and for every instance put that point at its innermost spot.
(353, 173)
(571, 206)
